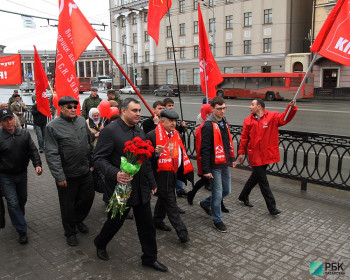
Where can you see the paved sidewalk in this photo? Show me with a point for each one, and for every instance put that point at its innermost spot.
(313, 226)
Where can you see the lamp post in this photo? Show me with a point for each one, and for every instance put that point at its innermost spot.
(213, 25)
(45, 56)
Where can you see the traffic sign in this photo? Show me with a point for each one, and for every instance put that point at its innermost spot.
(138, 79)
(30, 75)
(123, 77)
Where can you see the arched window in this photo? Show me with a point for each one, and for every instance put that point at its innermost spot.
(298, 67)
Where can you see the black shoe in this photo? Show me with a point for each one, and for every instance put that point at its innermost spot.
(102, 254)
(224, 209)
(41, 151)
(182, 193)
(207, 210)
(245, 201)
(23, 238)
(72, 240)
(220, 226)
(275, 212)
(181, 211)
(157, 266)
(190, 197)
(184, 239)
(162, 226)
(208, 187)
(82, 227)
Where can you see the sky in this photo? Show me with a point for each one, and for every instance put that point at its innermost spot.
(16, 37)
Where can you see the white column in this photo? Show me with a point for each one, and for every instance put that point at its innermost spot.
(128, 49)
(118, 48)
(139, 38)
(152, 49)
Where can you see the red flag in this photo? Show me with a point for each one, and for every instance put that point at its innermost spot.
(333, 40)
(156, 11)
(41, 83)
(10, 70)
(74, 35)
(206, 59)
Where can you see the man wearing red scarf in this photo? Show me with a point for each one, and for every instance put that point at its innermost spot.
(169, 162)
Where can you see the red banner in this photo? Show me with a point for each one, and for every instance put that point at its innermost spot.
(156, 11)
(207, 60)
(10, 70)
(333, 40)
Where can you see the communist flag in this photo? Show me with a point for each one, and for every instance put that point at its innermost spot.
(41, 83)
(74, 35)
(10, 70)
(207, 62)
(333, 40)
(156, 11)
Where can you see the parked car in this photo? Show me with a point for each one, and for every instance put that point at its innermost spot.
(167, 90)
(128, 89)
(27, 86)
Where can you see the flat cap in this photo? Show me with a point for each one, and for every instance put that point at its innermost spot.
(170, 114)
(93, 89)
(111, 91)
(5, 113)
(16, 95)
(66, 100)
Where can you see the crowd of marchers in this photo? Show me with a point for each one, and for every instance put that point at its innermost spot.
(84, 154)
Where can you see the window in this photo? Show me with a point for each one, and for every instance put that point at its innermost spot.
(134, 37)
(183, 77)
(195, 27)
(81, 69)
(168, 31)
(182, 29)
(106, 67)
(88, 69)
(169, 53)
(124, 58)
(211, 3)
(145, 17)
(122, 21)
(229, 22)
(267, 45)
(169, 77)
(196, 76)
(229, 48)
(247, 69)
(248, 19)
(135, 57)
(146, 36)
(196, 51)
(229, 1)
(195, 4)
(212, 24)
(182, 52)
(247, 46)
(133, 19)
(182, 6)
(146, 56)
(228, 70)
(268, 16)
(124, 39)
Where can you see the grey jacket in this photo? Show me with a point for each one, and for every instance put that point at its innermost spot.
(68, 148)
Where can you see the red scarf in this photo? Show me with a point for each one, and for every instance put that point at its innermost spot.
(220, 157)
(168, 159)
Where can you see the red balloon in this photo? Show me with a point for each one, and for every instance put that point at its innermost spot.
(113, 111)
(55, 100)
(104, 107)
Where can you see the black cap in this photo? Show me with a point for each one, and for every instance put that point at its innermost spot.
(170, 114)
(93, 89)
(16, 95)
(5, 113)
(111, 91)
(66, 100)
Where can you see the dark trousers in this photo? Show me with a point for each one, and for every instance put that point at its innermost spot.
(166, 206)
(258, 176)
(75, 202)
(200, 183)
(145, 230)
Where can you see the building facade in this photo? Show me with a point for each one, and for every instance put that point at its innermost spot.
(245, 36)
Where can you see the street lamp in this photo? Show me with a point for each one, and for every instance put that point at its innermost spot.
(45, 56)
(212, 25)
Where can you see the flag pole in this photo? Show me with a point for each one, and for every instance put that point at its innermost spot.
(177, 77)
(125, 75)
(205, 79)
(302, 83)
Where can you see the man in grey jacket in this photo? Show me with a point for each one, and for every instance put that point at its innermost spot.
(69, 154)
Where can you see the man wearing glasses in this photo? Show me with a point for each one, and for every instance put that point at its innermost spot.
(217, 157)
(69, 157)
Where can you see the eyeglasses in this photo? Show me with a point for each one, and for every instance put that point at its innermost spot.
(70, 107)
(221, 108)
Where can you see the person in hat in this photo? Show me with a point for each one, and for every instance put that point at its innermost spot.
(113, 95)
(68, 151)
(4, 105)
(12, 98)
(169, 163)
(16, 149)
(18, 108)
(91, 102)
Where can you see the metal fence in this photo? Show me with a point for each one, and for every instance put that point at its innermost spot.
(307, 157)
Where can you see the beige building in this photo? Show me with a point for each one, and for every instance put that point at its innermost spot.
(248, 36)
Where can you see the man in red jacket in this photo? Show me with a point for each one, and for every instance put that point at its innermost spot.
(259, 139)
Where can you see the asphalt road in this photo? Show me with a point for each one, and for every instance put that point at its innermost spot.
(320, 116)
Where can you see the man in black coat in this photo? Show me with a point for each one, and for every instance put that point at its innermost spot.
(40, 121)
(107, 155)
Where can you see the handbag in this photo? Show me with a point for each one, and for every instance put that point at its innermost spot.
(99, 181)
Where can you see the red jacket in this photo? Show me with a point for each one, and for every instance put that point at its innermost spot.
(259, 138)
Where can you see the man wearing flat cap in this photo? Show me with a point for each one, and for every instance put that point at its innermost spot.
(91, 102)
(170, 161)
(113, 95)
(69, 157)
(16, 149)
(18, 108)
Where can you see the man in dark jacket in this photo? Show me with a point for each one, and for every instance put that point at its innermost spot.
(217, 156)
(152, 122)
(113, 95)
(91, 102)
(40, 121)
(69, 157)
(107, 155)
(16, 149)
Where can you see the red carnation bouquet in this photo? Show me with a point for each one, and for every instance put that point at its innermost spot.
(135, 150)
